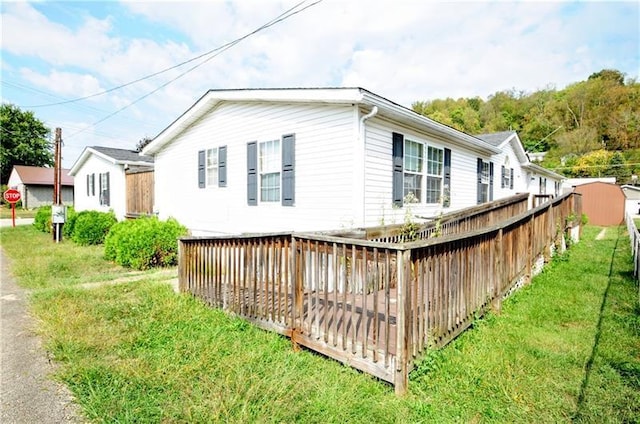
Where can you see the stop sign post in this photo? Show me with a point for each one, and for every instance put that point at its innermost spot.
(12, 196)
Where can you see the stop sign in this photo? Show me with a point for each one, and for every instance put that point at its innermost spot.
(12, 195)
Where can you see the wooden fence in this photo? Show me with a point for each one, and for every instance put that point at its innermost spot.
(139, 188)
(377, 306)
(634, 237)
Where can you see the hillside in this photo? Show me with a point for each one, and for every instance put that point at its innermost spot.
(590, 128)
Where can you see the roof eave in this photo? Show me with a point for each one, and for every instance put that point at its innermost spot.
(451, 134)
(543, 170)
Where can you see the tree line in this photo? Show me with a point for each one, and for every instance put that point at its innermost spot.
(590, 128)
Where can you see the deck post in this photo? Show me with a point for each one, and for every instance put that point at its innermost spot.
(181, 267)
(499, 273)
(401, 380)
(297, 309)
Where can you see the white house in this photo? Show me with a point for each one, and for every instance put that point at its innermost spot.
(35, 185)
(100, 178)
(632, 199)
(260, 160)
(517, 173)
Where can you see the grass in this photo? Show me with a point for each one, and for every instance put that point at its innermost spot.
(565, 348)
(5, 212)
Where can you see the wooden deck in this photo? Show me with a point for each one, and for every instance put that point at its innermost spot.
(376, 305)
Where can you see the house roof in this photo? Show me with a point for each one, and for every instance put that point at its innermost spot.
(500, 139)
(41, 176)
(497, 138)
(114, 155)
(351, 96)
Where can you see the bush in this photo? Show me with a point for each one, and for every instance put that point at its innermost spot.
(144, 242)
(42, 220)
(70, 222)
(91, 227)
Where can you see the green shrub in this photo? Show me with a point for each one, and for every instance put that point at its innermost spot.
(70, 222)
(91, 227)
(42, 220)
(144, 242)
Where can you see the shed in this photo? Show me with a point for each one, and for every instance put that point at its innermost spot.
(632, 195)
(603, 203)
(35, 185)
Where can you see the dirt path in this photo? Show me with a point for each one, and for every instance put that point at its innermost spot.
(27, 393)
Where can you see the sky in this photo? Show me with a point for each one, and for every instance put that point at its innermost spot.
(107, 72)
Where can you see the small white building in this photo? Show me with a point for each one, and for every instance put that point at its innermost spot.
(101, 178)
(261, 160)
(35, 185)
(632, 199)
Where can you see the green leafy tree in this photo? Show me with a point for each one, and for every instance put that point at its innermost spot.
(24, 140)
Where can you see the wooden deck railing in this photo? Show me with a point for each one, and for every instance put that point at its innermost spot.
(374, 305)
(461, 221)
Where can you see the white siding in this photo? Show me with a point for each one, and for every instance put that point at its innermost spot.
(509, 159)
(379, 177)
(117, 190)
(324, 142)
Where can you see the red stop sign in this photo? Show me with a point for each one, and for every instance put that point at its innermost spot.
(12, 195)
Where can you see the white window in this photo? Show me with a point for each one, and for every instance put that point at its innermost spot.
(413, 169)
(212, 167)
(415, 183)
(434, 174)
(104, 189)
(485, 176)
(269, 160)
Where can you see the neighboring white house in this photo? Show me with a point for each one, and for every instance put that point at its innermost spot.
(100, 178)
(517, 173)
(260, 160)
(632, 199)
(35, 185)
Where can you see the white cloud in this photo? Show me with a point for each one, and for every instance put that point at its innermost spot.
(63, 83)
(405, 50)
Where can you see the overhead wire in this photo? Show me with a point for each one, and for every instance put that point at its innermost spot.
(219, 49)
(19, 86)
(283, 16)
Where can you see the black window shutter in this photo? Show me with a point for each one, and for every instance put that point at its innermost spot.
(479, 175)
(100, 197)
(252, 173)
(398, 169)
(107, 192)
(201, 169)
(222, 166)
(490, 181)
(288, 170)
(88, 186)
(503, 176)
(446, 192)
(511, 179)
(93, 184)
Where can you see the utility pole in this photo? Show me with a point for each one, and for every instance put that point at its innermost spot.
(56, 208)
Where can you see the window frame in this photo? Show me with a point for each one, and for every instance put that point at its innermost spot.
(273, 171)
(209, 168)
(427, 168)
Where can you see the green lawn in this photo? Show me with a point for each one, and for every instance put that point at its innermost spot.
(5, 212)
(565, 348)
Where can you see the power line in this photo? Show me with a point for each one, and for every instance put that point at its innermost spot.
(19, 86)
(219, 49)
(283, 16)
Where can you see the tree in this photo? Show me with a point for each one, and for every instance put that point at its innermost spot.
(24, 140)
(142, 143)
